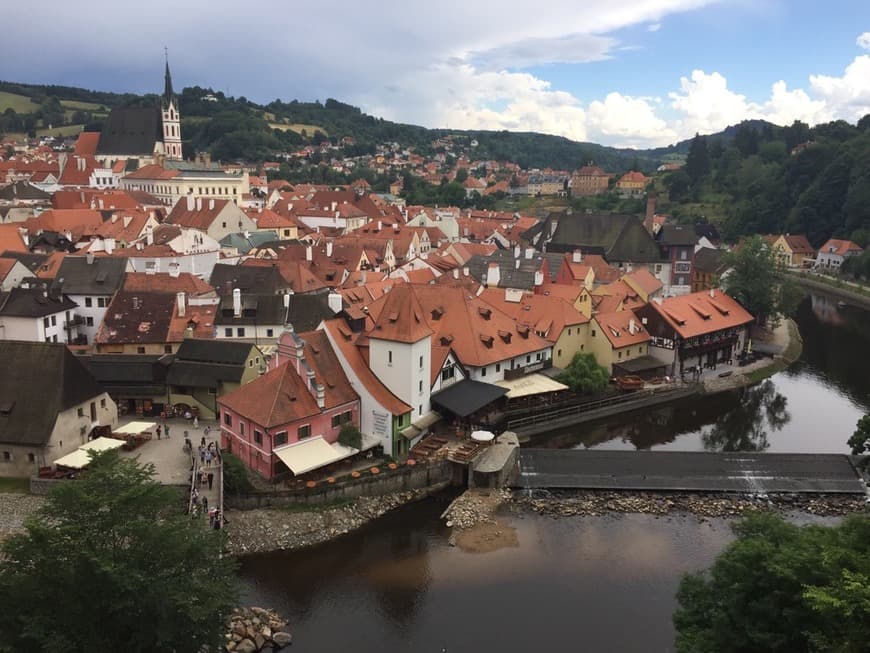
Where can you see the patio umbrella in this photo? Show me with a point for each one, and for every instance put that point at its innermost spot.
(482, 436)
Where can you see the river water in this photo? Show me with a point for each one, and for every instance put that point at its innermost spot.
(581, 583)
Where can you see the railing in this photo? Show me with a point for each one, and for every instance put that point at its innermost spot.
(519, 372)
(75, 321)
(576, 409)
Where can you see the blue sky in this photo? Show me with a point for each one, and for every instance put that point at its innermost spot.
(625, 72)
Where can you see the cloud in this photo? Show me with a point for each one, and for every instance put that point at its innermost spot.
(863, 41)
(573, 48)
(654, 27)
(631, 121)
(847, 96)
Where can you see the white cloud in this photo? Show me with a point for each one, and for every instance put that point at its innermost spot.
(847, 96)
(630, 120)
(863, 41)
(654, 27)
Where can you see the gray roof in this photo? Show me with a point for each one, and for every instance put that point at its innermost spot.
(616, 237)
(104, 275)
(129, 375)
(28, 404)
(245, 243)
(247, 278)
(677, 234)
(131, 130)
(711, 261)
(305, 312)
(32, 262)
(509, 275)
(203, 375)
(23, 190)
(213, 351)
(33, 302)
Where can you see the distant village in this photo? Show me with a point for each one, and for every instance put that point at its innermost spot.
(136, 283)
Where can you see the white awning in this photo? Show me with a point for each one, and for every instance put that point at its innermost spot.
(531, 384)
(135, 428)
(420, 425)
(313, 453)
(80, 458)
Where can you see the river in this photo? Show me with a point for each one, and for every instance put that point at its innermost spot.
(583, 583)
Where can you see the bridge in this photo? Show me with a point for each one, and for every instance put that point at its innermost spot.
(662, 471)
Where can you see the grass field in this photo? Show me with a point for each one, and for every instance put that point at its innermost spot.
(75, 105)
(18, 103)
(298, 127)
(65, 130)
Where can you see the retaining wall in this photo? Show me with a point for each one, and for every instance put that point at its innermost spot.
(844, 293)
(435, 476)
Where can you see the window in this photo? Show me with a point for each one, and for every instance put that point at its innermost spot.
(45, 322)
(280, 438)
(89, 321)
(140, 350)
(529, 358)
(225, 225)
(420, 387)
(619, 354)
(390, 357)
(683, 255)
(83, 430)
(167, 349)
(420, 409)
(447, 373)
(483, 371)
(7, 456)
(241, 428)
(304, 432)
(228, 332)
(228, 420)
(54, 320)
(103, 402)
(498, 367)
(593, 333)
(54, 338)
(88, 302)
(258, 437)
(31, 458)
(270, 333)
(240, 332)
(538, 356)
(421, 362)
(559, 352)
(80, 412)
(102, 302)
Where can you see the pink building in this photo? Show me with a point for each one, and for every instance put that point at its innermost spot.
(288, 420)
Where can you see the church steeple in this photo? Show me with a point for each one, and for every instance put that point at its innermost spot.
(171, 118)
(168, 95)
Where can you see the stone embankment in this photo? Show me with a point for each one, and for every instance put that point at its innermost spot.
(569, 503)
(14, 509)
(474, 507)
(277, 529)
(254, 629)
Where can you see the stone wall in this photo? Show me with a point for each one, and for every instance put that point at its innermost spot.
(423, 475)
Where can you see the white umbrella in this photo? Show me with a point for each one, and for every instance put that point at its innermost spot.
(482, 436)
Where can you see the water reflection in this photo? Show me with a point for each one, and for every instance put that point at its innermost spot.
(745, 428)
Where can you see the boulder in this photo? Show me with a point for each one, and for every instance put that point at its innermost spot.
(246, 646)
(282, 639)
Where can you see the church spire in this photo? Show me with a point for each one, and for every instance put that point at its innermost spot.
(167, 91)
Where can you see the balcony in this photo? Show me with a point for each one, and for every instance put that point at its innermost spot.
(75, 321)
(518, 372)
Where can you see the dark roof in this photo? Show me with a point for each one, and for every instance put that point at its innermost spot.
(137, 318)
(467, 396)
(616, 237)
(305, 312)
(677, 234)
(104, 275)
(33, 302)
(213, 351)
(131, 130)
(23, 190)
(28, 404)
(204, 375)
(509, 275)
(711, 261)
(708, 231)
(247, 278)
(129, 375)
(32, 262)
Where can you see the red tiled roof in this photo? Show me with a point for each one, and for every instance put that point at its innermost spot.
(401, 317)
(10, 238)
(86, 143)
(622, 328)
(153, 172)
(164, 282)
(841, 247)
(702, 312)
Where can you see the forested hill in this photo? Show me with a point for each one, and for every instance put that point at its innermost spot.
(236, 128)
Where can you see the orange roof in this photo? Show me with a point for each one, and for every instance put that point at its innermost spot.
(82, 199)
(278, 397)
(50, 266)
(76, 221)
(345, 341)
(199, 318)
(546, 314)
(643, 281)
(622, 328)
(401, 317)
(701, 312)
(799, 244)
(87, 143)
(10, 238)
(164, 282)
(268, 219)
(6, 265)
(841, 247)
(203, 214)
(153, 172)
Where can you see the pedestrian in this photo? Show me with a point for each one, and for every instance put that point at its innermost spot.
(195, 422)
(202, 455)
(166, 430)
(208, 458)
(207, 430)
(202, 441)
(205, 504)
(158, 431)
(217, 520)
(210, 478)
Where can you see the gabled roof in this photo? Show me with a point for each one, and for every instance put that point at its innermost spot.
(677, 235)
(710, 261)
(278, 397)
(840, 247)
(622, 329)
(23, 191)
(401, 317)
(799, 244)
(153, 171)
(34, 303)
(616, 237)
(87, 143)
(201, 216)
(28, 405)
(701, 312)
(131, 130)
(77, 275)
(164, 282)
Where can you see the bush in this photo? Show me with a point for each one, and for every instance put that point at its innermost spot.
(350, 436)
(236, 479)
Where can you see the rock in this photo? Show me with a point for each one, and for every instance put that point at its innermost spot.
(266, 632)
(246, 646)
(260, 641)
(282, 639)
(230, 646)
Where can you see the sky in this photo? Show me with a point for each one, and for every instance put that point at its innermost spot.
(633, 73)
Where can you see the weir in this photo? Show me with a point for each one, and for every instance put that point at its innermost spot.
(753, 473)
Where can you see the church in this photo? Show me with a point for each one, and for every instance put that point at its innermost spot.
(142, 136)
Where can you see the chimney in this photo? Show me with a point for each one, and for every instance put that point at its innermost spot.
(455, 273)
(237, 303)
(321, 395)
(149, 238)
(102, 205)
(181, 300)
(199, 204)
(308, 254)
(380, 225)
(530, 252)
(286, 300)
(190, 202)
(539, 278)
(334, 302)
(648, 221)
(206, 158)
(577, 256)
(90, 258)
(632, 327)
(712, 293)
(493, 275)
(465, 272)
(363, 277)
(518, 252)
(329, 249)
(517, 264)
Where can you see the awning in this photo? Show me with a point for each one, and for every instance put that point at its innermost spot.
(531, 384)
(419, 426)
(80, 458)
(641, 364)
(467, 396)
(135, 428)
(313, 453)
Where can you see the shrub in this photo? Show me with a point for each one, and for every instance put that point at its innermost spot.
(236, 479)
(350, 436)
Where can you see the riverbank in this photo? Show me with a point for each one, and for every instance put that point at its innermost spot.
(295, 527)
(852, 292)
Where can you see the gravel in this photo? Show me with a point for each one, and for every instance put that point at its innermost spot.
(14, 509)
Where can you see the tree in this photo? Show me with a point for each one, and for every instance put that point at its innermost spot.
(757, 283)
(110, 562)
(860, 439)
(781, 588)
(698, 160)
(350, 436)
(584, 375)
(461, 175)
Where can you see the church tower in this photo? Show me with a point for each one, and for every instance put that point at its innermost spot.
(171, 120)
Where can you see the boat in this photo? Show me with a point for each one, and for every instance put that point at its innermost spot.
(629, 382)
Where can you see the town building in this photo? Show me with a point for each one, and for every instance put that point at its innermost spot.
(589, 180)
(794, 251)
(38, 313)
(173, 182)
(832, 254)
(90, 282)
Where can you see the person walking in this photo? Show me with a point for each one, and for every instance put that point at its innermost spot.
(210, 478)
(166, 430)
(195, 422)
(205, 504)
(208, 458)
(159, 430)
